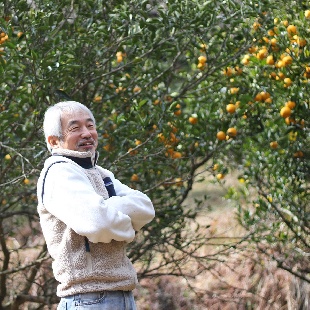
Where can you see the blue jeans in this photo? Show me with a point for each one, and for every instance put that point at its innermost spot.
(107, 300)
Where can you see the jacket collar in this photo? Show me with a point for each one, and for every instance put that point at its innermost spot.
(84, 159)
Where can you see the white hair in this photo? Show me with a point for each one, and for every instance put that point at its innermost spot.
(52, 118)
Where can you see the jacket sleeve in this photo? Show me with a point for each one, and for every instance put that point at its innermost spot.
(69, 196)
(133, 203)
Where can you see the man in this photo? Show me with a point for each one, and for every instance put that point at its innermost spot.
(87, 216)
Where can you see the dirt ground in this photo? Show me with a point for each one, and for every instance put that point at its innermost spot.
(242, 279)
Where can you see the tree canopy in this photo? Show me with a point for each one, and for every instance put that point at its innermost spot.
(182, 92)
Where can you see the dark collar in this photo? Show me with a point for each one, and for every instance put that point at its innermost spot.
(84, 162)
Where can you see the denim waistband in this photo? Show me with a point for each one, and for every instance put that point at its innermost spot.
(96, 295)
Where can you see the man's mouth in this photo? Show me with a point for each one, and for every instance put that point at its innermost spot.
(86, 144)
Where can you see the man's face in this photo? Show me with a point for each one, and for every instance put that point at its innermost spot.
(79, 132)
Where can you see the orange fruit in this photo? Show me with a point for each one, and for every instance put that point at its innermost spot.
(161, 137)
(220, 176)
(287, 60)
(262, 54)
(119, 89)
(234, 90)
(291, 29)
(228, 71)
(178, 182)
(280, 64)
(170, 150)
(245, 61)
(107, 147)
(253, 49)
(173, 128)
(232, 132)
(215, 167)
(221, 135)
(200, 66)
(289, 121)
(287, 82)
(231, 108)
(265, 95)
(299, 154)
(258, 97)
(290, 104)
(270, 60)
(119, 56)
(307, 13)
(301, 42)
(203, 47)
(256, 25)
(193, 120)
(238, 70)
(176, 154)
(273, 75)
(202, 59)
(97, 99)
(273, 41)
(274, 144)
(132, 152)
(178, 112)
(173, 138)
(285, 112)
(134, 178)
(285, 23)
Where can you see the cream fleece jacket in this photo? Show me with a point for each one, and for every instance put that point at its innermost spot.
(76, 205)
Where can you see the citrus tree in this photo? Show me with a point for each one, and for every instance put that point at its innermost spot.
(180, 91)
(270, 110)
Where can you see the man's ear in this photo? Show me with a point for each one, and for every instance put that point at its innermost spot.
(53, 142)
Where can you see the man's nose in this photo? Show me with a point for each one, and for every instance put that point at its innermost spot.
(86, 133)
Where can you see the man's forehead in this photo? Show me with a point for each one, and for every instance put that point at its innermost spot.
(74, 117)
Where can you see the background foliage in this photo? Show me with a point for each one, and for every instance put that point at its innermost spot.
(158, 77)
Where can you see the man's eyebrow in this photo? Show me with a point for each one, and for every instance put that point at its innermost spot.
(74, 122)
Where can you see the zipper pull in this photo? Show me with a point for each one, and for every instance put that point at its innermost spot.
(87, 247)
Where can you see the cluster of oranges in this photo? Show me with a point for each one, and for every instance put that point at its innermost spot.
(286, 111)
(270, 46)
(229, 71)
(170, 143)
(230, 133)
(269, 52)
(263, 96)
(202, 60)
(178, 110)
(3, 37)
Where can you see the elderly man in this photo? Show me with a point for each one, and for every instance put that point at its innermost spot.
(87, 216)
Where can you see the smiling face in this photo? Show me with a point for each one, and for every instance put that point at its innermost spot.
(78, 133)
